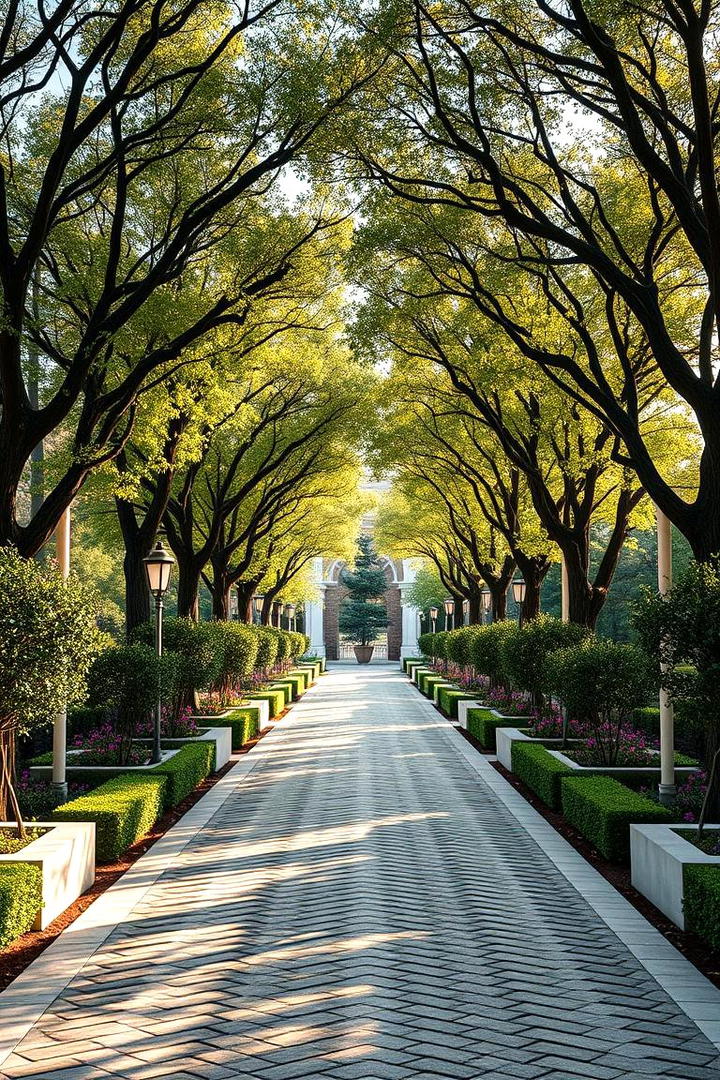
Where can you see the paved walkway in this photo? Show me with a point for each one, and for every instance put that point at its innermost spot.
(361, 903)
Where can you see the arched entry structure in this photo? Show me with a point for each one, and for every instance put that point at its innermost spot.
(321, 615)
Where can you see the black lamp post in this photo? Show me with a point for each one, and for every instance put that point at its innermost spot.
(433, 618)
(486, 600)
(290, 615)
(258, 601)
(518, 591)
(158, 565)
(278, 605)
(449, 611)
(466, 610)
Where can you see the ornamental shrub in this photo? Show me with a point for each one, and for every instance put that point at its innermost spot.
(482, 725)
(449, 697)
(20, 899)
(237, 648)
(48, 640)
(485, 650)
(267, 642)
(525, 651)
(701, 902)
(600, 683)
(602, 809)
(459, 645)
(124, 681)
(198, 660)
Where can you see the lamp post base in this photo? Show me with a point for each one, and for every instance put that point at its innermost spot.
(666, 794)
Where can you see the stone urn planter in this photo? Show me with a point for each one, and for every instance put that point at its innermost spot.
(363, 653)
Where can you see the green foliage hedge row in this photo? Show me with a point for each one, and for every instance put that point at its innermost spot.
(429, 679)
(245, 724)
(20, 899)
(603, 809)
(274, 697)
(701, 903)
(448, 698)
(540, 771)
(482, 725)
(185, 770)
(124, 809)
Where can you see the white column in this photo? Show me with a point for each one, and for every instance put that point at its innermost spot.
(59, 758)
(410, 620)
(314, 623)
(564, 592)
(667, 720)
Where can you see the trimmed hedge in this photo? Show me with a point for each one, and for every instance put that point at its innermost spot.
(427, 680)
(274, 697)
(245, 724)
(540, 771)
(448, 698)
(407, 660)
(285, 689)
(701, 902)
(295, 680)
(603, 810)
(482, 725)
(185, 770)
(124, 809)
(20, 899)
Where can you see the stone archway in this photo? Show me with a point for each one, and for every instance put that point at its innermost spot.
(322, 615)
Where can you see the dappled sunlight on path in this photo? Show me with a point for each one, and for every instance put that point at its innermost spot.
(362, 905)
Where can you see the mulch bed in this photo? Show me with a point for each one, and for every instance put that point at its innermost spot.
(14, 958)
(692, 948)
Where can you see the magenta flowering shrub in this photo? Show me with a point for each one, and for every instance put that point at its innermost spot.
(549, 725)
(37, 798)
(510, 702)
(690, 795)
(173, 725)
(106, 746)
(619, 745)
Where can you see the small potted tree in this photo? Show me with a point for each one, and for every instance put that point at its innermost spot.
(363, 611)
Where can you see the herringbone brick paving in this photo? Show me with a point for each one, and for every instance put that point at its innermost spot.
(363, 906)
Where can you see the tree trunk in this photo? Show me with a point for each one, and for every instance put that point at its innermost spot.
(458, 613)
(499, 602)
(246, 592)
(585, 602)
(188, 588)
(220, 599)
(137, 593)
(533, 571)
(9, 808)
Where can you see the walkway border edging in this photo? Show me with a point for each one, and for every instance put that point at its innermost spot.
(28, 996)
(681, 981)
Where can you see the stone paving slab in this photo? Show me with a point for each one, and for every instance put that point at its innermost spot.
(362, 896)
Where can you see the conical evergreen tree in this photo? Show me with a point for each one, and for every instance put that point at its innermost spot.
(363, 612)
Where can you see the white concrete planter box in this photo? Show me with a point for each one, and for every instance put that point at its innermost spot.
(66, 857)
(657, 857)
(504, 738)
(412, 667)
(221, 736)
(263, 708)
(104, 772)
(618, 770)
(417, 670)
(463, 707)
